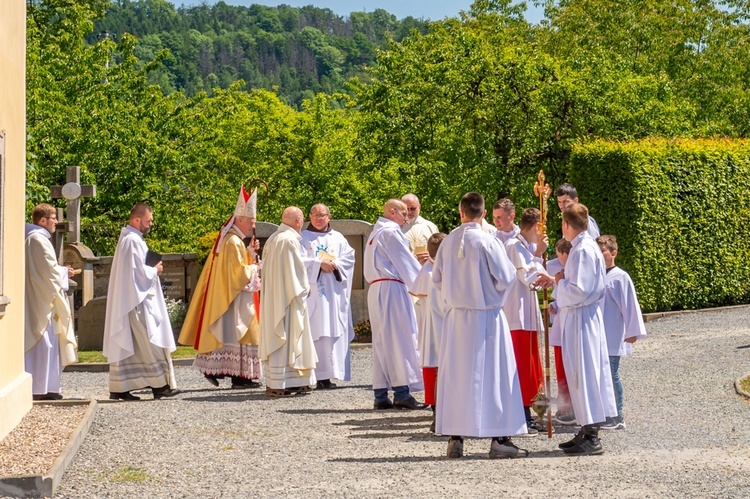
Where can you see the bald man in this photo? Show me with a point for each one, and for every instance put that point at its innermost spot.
(286, 343)
(391, 269)
(417, 229)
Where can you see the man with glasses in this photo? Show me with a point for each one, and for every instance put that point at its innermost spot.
(50, 342)
(329, 260)
(391, 269)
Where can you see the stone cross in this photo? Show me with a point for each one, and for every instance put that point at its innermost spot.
(73, 191)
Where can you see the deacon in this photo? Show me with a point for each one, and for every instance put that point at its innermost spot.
(138, 337)
(391, 269)
(286, 343)
(329, 260)
(580, 289)
(417, 229)
(50, 342)
(521, 308)
(478, 393)
(221, 322)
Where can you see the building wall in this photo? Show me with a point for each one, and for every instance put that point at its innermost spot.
(15, 384)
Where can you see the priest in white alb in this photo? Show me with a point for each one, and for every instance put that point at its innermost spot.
(286, 343)
(391, 270)
(329, 260)
(49, 339)
(417, 229)
(221, 323)
(478, 393)
(138, 338)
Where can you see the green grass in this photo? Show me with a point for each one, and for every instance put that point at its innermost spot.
(91, 356)
(130, 474)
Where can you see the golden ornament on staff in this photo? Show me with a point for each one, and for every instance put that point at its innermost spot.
(541, 403)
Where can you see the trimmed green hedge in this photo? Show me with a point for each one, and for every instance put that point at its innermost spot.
(681, 212)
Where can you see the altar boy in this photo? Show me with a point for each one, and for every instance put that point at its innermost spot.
(581, 286)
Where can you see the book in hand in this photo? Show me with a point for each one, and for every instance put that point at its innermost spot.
(152, 258)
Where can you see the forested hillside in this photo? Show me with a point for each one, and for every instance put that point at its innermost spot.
(300, 51)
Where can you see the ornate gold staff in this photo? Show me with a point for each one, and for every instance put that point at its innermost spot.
(542, 401)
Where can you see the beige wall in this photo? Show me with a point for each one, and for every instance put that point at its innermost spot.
(15, 384)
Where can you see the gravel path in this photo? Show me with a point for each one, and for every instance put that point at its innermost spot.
(687, 436)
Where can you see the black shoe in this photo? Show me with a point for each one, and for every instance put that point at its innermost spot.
(589, 446)
(239, 383)
(573, 441)
(325, 384)
(410, 403)
(122, 396)
(212, 379)
(381, 405)
(164, 392)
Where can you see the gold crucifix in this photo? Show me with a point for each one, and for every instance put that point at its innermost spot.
(543, 191)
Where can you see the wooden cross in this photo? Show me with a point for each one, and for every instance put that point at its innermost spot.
(73, 191)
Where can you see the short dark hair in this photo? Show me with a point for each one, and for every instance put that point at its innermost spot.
(41, 211)
(472, 204)
(563, 246)
(505, 204)
(577, 215)
(566, 190)
(433, 243)
(529, 217)
(139, 210)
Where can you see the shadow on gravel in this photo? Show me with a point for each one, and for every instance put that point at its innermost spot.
(325, 411)
(743, 347)
(234, 396)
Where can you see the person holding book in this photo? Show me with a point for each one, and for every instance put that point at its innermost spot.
(138, 336)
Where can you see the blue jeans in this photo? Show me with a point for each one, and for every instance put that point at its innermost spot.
(399, 393)
(614, 367)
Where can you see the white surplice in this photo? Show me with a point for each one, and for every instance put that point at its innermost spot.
(286, 345)
(522, 303)
(49, 338)
(329, 304)
(391, 269)
(505, 236)
(622, 313)
(428, 338)
(478, 392)
(584, 344)
(138, 336)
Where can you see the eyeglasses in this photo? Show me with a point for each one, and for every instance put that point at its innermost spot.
(320, 215)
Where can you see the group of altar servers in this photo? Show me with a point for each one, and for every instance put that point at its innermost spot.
(439, 310)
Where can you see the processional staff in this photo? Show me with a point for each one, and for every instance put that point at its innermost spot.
(256, 295)
(543, 192)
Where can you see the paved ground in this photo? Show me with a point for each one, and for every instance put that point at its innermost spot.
(688, 435)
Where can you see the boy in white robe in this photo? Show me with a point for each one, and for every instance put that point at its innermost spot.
(49, 338)
(503, 214)
(522, 310)
(623, 321)
(478, 390)
(429, 319)
(564, 415)
(584, 345)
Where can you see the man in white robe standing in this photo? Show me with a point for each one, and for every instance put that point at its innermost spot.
(391, 269)
(286, 343)
(503, 216)
(416, 228)
(479, 394)
(138, 338)
(580, 290)
(50, 342)
(329, 260)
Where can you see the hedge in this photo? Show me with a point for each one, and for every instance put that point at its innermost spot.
(681, 212)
